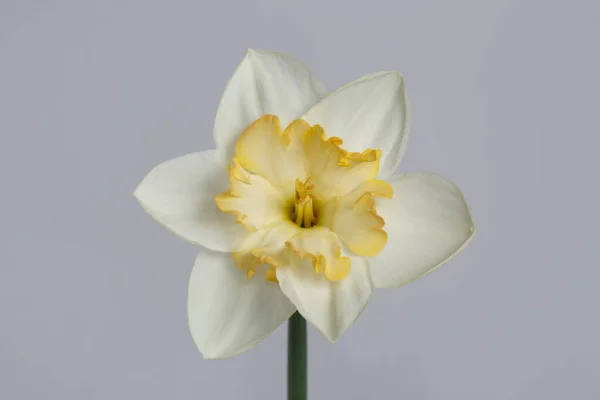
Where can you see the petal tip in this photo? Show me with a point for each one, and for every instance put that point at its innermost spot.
(138, 191)
(332, 339)
(207, 355)
(397, 76)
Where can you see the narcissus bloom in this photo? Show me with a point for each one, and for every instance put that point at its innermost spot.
(298, 208)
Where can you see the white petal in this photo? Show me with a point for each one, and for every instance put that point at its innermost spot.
(265, 82)
(330, 306)
(370, 112)
(427, 222)
(180, 195)
(228, 313)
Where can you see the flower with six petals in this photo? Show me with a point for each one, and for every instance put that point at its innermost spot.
(298, 208)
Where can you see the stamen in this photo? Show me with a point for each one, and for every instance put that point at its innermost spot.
(304, 213)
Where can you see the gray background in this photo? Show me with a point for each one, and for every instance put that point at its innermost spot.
(93, 292)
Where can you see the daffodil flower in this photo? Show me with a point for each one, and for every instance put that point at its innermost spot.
(298, 208)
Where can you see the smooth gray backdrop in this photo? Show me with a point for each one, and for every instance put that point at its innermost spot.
(505, 104)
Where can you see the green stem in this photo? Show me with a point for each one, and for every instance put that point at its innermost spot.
(296, 357)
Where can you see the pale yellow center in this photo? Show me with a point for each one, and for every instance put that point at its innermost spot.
(301, 196)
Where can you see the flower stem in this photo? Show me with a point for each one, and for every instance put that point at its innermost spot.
(297, 357)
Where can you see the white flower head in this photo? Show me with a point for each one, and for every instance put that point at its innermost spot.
(298, 207)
